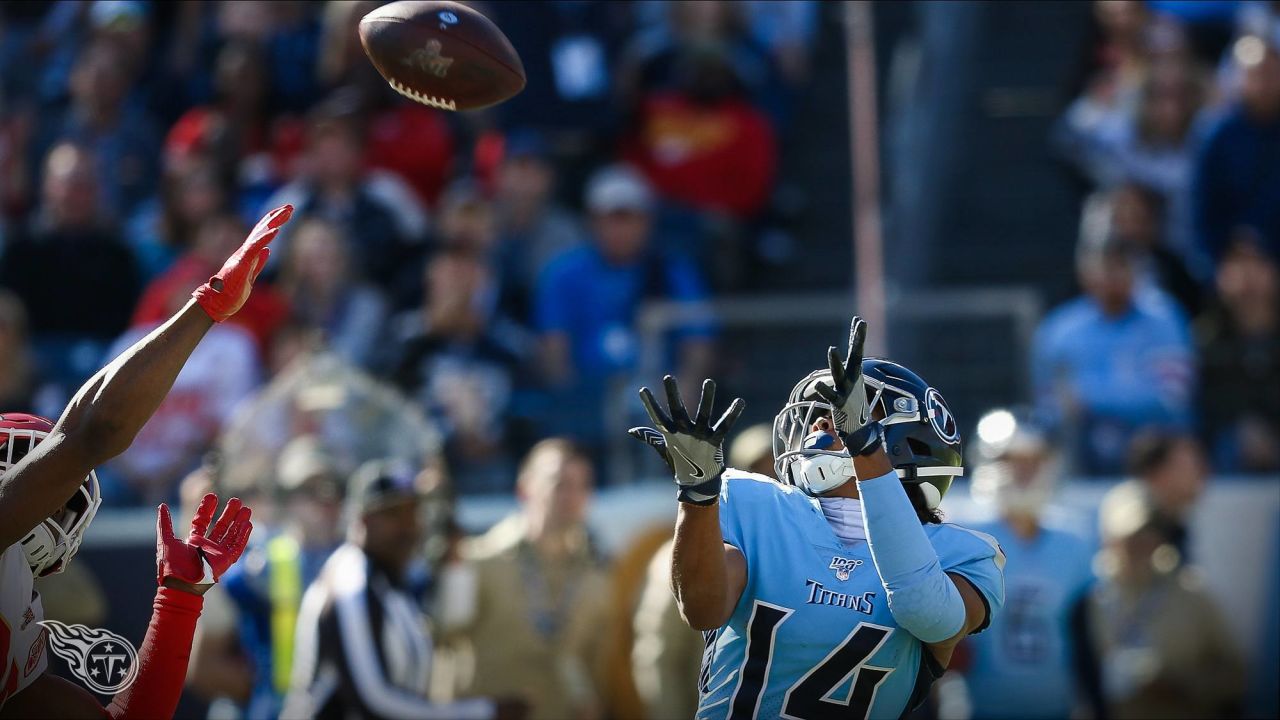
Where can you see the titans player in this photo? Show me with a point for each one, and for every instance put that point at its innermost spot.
(835, 591)
(1037, 660)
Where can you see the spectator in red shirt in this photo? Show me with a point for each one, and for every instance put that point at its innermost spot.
(703, 145)
(414, 142)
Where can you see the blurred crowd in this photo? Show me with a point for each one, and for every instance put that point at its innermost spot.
(466, 288)
(1177, 135)
(488, 265)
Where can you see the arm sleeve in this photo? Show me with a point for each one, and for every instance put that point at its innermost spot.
(923, 600)
(162, 659)
(364, 681)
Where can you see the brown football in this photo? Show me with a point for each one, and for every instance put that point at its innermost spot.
(442, 54)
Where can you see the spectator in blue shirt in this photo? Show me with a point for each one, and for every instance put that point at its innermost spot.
(1113, 361)
(588, 298)
(1237, 175)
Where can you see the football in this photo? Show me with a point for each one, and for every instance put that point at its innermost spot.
(442, 54)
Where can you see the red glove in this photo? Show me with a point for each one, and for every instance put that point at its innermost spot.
(206, 553)
(226, 291)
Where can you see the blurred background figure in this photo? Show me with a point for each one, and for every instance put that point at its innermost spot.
(588, 299)
(71, 239)
(528, 602)
(666, 653)
(107, 122)
(1166, 651)
(376, 212)
(243, 653)
(532, 226)
(19, 373)
(1137, 215)
(1170, 468)
(459, 361)
(752, 450)
(191, 193)
(1235, 183)
(1036, 660)
(320, 282)
(1238, 338)
(1113, 361)
(362, 647)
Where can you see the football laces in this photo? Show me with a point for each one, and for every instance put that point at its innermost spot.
(431, 100)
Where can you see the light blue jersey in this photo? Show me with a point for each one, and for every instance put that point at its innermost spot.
(812, 636)
(1022, 666)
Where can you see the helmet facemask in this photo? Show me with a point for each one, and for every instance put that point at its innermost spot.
(896, 407)
(51, 544)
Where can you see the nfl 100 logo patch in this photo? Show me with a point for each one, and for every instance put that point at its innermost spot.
(844, 566)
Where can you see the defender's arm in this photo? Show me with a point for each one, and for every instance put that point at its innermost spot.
(107, 412)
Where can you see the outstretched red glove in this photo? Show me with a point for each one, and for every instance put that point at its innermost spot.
(226, 291)
(206, 553)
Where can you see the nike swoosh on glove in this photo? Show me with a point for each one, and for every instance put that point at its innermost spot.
(848, 399)
(207, 552)
(692, 447)
(229, 288)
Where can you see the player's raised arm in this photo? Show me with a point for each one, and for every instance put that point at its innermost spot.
(707, 575)
(185, 569)
(107, 412)
(936, 607)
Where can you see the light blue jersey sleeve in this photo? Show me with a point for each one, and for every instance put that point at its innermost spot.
(976, 556)
(745, 497)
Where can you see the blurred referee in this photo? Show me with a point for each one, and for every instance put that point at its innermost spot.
(362, 646)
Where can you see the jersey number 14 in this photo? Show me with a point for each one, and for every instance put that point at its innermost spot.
(810, 697)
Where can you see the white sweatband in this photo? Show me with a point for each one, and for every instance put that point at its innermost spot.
(922, 599)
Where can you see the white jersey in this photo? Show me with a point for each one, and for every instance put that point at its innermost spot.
(22, 637)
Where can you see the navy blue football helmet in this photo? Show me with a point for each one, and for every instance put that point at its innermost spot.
(922, 437)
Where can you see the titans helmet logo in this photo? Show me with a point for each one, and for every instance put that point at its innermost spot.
(944, 423)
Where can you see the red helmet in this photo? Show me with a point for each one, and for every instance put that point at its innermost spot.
(52, 543)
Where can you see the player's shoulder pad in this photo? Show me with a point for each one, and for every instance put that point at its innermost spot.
(957, 545)
(745, 492)
(741, 486)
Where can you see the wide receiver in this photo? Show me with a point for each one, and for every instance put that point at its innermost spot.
(835, 591)
(49, 494)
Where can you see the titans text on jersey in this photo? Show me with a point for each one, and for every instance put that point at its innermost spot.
(812, 636)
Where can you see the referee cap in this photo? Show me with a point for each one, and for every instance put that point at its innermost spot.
(378, 484)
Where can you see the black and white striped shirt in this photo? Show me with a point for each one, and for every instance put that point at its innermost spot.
(362, 650)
